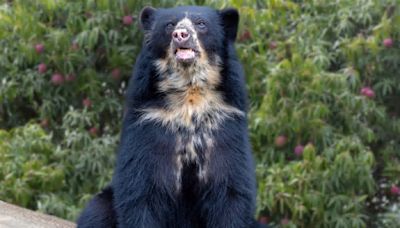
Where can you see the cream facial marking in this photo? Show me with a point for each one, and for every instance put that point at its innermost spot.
(184, 42)
(186, 23)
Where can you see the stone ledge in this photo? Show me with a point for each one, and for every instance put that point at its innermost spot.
(17, 217)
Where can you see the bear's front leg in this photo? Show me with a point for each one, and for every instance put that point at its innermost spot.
(226, 207)
(141, 201)
(144, 178)
(231, 198)
(150, 209)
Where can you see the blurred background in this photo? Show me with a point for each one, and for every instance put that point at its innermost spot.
(324, 88)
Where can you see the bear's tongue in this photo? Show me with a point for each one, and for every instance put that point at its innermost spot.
(185, 54)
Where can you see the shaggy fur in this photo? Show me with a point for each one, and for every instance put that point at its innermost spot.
(184, 158)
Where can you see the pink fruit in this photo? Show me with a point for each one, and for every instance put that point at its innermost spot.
(44, 123)
(57, 79)
(298, 150)
(116, 74)
(395, 190)
(280, 141)
(246, 35)
(364, 90)
(263, 220)
(127, 20)
(88, 15)
(74, 46)
(87, 103)
(273, 45)
(42, 68)
(368, 92)
(39, 48)
(285, 221)
(93, 131)
(388, 42)
(70, 77)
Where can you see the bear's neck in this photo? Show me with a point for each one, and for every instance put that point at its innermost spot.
(191, 99)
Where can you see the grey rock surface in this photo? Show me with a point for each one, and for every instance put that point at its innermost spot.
(16, 217)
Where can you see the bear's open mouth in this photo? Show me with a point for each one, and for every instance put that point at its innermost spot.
(185, 54)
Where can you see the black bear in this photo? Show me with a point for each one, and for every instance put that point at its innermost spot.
(185, 159)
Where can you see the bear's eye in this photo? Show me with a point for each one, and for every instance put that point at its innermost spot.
(170, 26)
(201, 25)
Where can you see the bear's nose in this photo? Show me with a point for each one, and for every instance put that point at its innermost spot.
(180, 35)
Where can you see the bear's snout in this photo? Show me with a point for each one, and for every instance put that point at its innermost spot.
(180, 36)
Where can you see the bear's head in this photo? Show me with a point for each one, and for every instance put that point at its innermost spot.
(190, 48)
(188, 36)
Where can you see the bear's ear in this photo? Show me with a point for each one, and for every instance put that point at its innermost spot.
(147, 17)
(230, 22)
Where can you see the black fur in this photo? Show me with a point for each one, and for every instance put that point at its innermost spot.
(144, 191)
(99, 212)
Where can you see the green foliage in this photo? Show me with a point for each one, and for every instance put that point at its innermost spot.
(323, 84)
(28, 167)
(307, 69)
